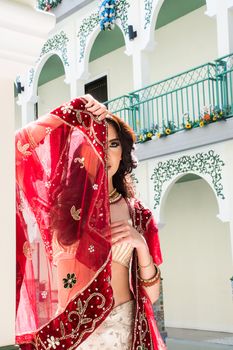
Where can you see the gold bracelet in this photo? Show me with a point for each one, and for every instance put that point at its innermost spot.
(144, 267)
(151, 281)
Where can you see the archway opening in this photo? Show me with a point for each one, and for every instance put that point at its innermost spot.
(177, 35)
(106, 42)
(170, 10)
(107, 59)
(197, 259)
(52, 91)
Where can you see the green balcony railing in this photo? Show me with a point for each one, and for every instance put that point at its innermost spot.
(184, 96)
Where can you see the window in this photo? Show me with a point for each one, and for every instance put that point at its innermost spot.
(98, 89)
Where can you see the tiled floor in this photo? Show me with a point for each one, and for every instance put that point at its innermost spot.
(193, 334)
(191, 339)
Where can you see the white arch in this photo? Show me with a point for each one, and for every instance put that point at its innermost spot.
(223, 210)
(149, 32)
(32, 95)
(83, 72)
(150, 41)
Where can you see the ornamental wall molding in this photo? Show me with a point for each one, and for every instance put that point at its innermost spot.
(148, 6)
(55, 45)
(151, 12)
(205, 164)
(90, 24)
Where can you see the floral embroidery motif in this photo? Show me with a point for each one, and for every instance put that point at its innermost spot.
(91, 248)
(23, 148)
(47, 184)
(48, 130)
(53, 342)
(75, 213)
(67, 108)
(44, 294)
(95, 187)
(27, 250)
(81, 161)
(142, 347)
(70, 280)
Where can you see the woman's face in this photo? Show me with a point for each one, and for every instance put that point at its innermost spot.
(114, 151)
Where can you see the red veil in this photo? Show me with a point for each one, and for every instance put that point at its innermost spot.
(63, 228)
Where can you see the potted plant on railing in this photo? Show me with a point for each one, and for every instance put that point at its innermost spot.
(168, 129)
(147, 135)
(188, 123)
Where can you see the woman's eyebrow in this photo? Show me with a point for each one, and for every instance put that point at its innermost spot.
(116, 139)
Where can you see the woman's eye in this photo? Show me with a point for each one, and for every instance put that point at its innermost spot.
(115, 144)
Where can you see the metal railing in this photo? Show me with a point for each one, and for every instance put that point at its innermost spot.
(209, 86)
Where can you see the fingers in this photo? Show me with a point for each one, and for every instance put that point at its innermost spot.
(121, 231)
(92, 104)
(121, 236)
(119, 223)
(95, 107)
(127, 239)
(88, 99)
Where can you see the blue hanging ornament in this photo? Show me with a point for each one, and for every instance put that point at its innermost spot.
(107, 14)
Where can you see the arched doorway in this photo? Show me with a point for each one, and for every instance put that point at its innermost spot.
(52, 91)
(197, 259)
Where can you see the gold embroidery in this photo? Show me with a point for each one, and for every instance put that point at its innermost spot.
(78, 116)
(75, 213)
(23, 149)
(27, 250)
(32, 142)
(80, 319)
(81, 161)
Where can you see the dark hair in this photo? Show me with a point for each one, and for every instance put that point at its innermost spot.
(121, 181)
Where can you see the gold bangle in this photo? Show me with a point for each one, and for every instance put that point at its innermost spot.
(151, 281)
(144, 267)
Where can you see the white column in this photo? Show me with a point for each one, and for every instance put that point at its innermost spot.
(224, 30)
(76, 88)
(7, 214)
(23, 31)
(141, 69)
(27, 112)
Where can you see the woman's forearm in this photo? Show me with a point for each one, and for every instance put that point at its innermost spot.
(44, 125)
(148, 271)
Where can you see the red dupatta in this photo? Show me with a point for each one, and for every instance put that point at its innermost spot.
(62, 199)
(61, 187)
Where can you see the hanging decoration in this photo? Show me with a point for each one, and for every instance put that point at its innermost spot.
(107, 14)
(47, 5)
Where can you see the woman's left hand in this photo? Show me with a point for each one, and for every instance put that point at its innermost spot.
(95, 107)
(123, 232)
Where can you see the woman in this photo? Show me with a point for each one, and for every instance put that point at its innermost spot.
(96, 240)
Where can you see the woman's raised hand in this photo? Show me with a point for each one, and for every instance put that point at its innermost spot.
(95, 107)
(123, 232)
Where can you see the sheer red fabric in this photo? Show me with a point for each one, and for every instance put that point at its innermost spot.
(63, 234)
